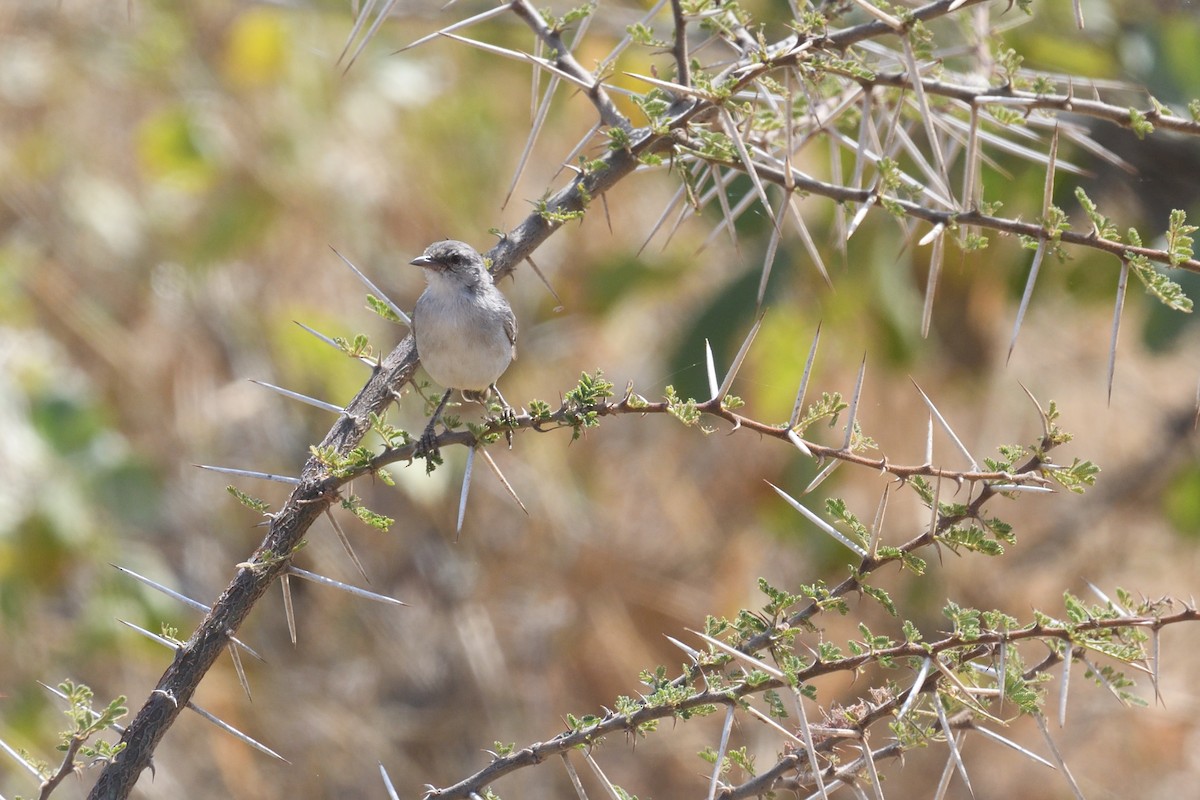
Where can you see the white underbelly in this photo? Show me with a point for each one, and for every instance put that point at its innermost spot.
(459, 360)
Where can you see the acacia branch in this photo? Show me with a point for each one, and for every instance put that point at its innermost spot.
(316, 491)
(318, 488)
(679, 50)
(951, 218)
(1031, 101)
(567, 415)
(609, 113)
(723, 693)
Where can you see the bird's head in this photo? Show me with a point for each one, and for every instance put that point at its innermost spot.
(451, 256)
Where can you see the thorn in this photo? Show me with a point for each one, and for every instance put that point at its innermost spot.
(462, 497)
(812, 354)
(508, 486)
(395, 309)
(286, 585)
(232, 731)
(245, 473)
(345, 587)
(303, 398)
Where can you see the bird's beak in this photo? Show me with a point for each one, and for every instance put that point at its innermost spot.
(422, 261)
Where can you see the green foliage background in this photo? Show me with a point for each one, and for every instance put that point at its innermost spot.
(172, 177)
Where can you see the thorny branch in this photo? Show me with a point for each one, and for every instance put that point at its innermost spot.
(562, 418)
(724, 693)
(317, 489)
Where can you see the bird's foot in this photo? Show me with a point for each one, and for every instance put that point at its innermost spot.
(508, 418)
(427, 448)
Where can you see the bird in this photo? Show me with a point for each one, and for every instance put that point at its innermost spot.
(465, 330)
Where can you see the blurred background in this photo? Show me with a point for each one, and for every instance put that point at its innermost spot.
(172, 178)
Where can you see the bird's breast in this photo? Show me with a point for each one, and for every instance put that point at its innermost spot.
(461, 342)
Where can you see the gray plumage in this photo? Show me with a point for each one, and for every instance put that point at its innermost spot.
(464, 328)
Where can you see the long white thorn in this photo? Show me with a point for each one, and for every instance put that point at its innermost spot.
(809, 746)
(946, 427)
(235, 733)
(820, 523)
(725, 730)
(345, 541)
(1058, 759)
(21, 760)
(1010, 743)
(362, 45)
(503, 8)
(303, 398)
(881, 15)
(466, 488)
(738, 359)
(822, 475)
(345, 587)
(1122, 283)
(285, 584)
(534, 131)
(517, 55)
(877, 525)
(169, 592)
(375, 290)
(240, 670)
(710, 367)
(852, 414)
(608, 785)
(246, 473)
(872, 774)
(572, 775)
(810, 246)
(812, 354)
(738, 655)
(915, 690)
(772, 249)
(951, 740)
(154, 637)
(1026, 295)
(744, 154)
(487, 457)
(936, 255)
(383, 773)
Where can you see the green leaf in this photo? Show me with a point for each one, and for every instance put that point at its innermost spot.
(252, 503)
(683, 410)
(966, 620)
(1168, 292)
(1076, 477)
(1179, 238)
(378, 521)
(358, 347)
(618, 139)
(828, 407)
(1141, 126)
(879, 596)
(383, 309)
(1102, 225)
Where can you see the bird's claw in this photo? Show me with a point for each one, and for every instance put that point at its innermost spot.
(427, 448)
(507, 419)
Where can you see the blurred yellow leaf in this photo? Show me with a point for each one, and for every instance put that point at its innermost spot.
(257, 48)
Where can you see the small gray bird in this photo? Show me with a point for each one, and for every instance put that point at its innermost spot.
(465, 330)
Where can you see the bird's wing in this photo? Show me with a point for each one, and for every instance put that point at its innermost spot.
(412, 318)
(510, 328)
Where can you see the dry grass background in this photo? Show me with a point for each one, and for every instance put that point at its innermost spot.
(172, 179)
